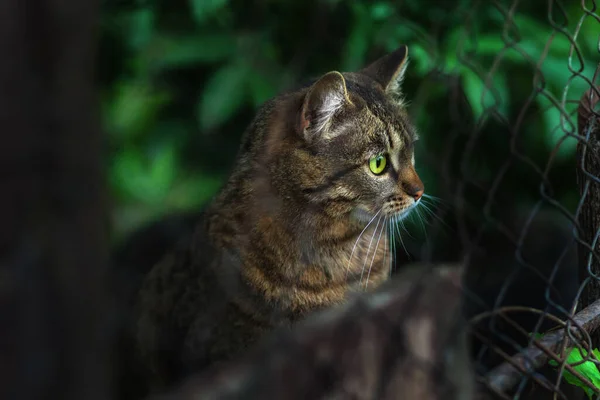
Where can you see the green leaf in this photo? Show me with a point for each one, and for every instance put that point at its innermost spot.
(473, 87)
(141, 28)
(423, 63)
(161, 172)
(588, 33)
(537, 35)
(222, 96)
(483, 95)
(194, 190)
(204, 9)
(381, 11)
(358, 40)
(127, 171)
(262, 88)
(587, 369)
(536, 336)
(182, 51)
(134, 108)
(499, 97)
(555, 125)
(145, 179)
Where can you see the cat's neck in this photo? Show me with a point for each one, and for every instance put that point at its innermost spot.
(296, 243)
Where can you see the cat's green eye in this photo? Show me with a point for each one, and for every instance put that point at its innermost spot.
(377, 164)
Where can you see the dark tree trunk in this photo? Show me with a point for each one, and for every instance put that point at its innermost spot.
(54, 341)
(588, 179)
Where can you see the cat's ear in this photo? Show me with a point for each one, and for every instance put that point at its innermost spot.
(389, 70)
(323, 100)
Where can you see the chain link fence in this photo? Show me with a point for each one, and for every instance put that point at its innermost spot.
(545, 282)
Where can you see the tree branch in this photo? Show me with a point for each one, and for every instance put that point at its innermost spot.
(507, 375)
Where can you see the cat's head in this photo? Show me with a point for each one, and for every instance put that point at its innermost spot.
(355, 153)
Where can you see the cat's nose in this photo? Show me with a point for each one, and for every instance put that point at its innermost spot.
(417, 195)
(414, 190)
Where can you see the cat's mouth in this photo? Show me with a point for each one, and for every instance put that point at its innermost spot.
(394, 209)
(399, 208)
(399, 215)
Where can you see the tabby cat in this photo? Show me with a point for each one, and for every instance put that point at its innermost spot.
(300, 225)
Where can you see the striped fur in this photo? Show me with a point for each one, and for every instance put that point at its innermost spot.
(287, 235)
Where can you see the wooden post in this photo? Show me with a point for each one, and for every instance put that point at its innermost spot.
(54, 340)
(588, 180)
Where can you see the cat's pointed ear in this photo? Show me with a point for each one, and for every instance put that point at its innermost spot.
(323, 100)
(389, 70)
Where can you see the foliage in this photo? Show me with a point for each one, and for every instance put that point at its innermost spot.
(180, 81)
(587, 369)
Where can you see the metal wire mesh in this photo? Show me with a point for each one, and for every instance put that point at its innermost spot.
(484, 208)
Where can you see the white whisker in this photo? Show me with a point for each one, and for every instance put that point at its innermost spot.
(400, 235)
(385, 253)
(435, 200)
(401, 221)
(369, 249)
(375, 252)
(357, 239)
(434, 215)
(393, 246)
(420, 218)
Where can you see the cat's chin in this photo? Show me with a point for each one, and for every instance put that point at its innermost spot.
(400, 215)
(361, 215)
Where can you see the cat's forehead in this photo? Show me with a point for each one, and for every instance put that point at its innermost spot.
(392, 124)
(387, 119)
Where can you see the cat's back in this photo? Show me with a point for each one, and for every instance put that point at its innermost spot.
(171, 293)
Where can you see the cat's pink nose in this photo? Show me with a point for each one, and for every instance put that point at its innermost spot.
(414, 189)
(417, 195)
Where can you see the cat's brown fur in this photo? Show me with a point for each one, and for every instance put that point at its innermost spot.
(286, 235)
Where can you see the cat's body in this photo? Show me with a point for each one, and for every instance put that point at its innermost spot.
(301, 224)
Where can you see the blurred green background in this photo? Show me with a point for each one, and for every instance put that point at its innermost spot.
(492, 90)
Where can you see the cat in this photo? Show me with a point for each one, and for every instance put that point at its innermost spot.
(300, 225)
